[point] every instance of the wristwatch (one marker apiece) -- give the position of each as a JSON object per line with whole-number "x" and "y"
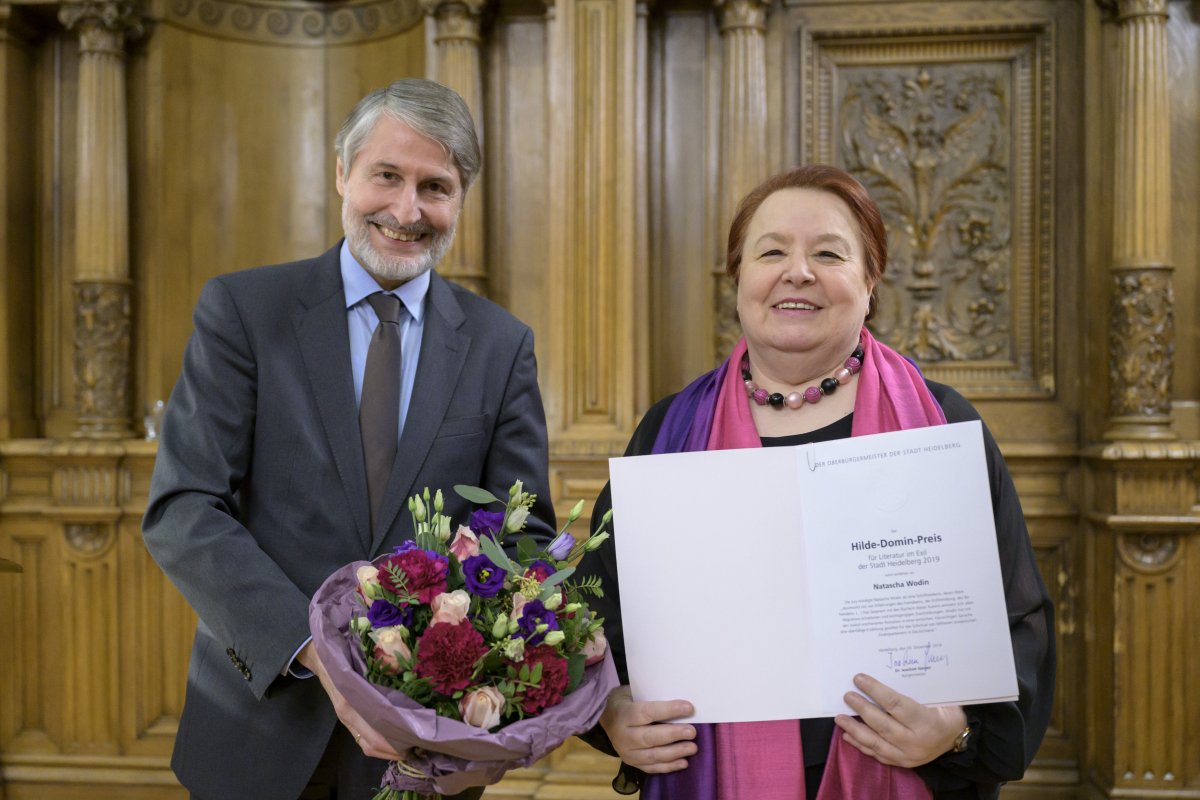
{"x": 962, "y": 741}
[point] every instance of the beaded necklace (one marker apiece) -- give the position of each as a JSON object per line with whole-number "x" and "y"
{"x": 812, "y": 394}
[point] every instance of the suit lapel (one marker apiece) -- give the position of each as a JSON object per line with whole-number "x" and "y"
{"x": 324, "y": 340}
{"x": 443, "y": 352}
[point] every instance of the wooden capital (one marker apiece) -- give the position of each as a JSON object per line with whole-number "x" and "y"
{"x": 456, "y": 20}
{"x": 103, "y": 25}
{"x": 738, "y": 14}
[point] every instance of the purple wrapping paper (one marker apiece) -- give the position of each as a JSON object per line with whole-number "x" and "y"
{"x": 454, "y": 755}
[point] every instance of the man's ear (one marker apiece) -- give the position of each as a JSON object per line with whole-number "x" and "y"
{"x": 341, "y": 179}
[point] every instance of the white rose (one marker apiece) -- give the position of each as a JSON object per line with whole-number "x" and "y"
{"x": 450, "y": 607}
{"x": 482, "y": 707}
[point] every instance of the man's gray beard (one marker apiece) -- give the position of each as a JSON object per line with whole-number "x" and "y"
{"x": 358, "y": 233}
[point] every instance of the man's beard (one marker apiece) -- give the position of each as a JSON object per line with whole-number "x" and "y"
{"x": 395, "y": 268}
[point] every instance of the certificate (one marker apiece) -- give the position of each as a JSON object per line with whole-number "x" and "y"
{"x": 757, "y": 583}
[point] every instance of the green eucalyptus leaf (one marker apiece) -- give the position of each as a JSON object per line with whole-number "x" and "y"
{"x": 474, "y": 494}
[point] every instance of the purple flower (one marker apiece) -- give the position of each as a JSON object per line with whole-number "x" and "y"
{"x": 404, "y": 547}
{"x": 383, "y": 614}
{"x": 560, "y": 548}
{"x": 486, "y": 523}
{"x": 484, "y": 579}
{"x": 532, "y": 615}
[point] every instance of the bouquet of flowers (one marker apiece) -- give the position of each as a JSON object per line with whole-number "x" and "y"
{"x": 469, "y": 660}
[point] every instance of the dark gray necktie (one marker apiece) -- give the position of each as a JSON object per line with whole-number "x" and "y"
{"x": 379, "y": 413}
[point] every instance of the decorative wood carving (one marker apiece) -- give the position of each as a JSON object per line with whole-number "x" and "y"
{"x": 743, "y": 162}
{"x": 87, "y": 539}
{"x": 91, "y": 485}
{"x": 1141, "y": 344}
{"x": 1141, "y": 347}
{"x": 458, "y": 43}
{"x": 951, "y": 131}
{"x": 294, "y": 22}
{"x": 102, "y": 353}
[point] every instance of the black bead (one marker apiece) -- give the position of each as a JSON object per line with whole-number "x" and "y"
{"x": 745, "y": 374}
{"x": 829, "y": 385}
{"x": 776, "y": 400}
{"x": 858, "y": 353}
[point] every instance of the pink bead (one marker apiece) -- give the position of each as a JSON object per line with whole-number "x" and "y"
{"x": 794, "y": 400}
{"x": 750, "y": 387}
{"x": 853, "y": 364}
{"x": 842, "y": 375}
{"x": 760, "y": 396}
{"x": 812, "y": 394}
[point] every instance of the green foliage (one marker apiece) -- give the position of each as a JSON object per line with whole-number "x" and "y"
{"x": 576, "y": 662}
{"x": 473, "y": 494}
{"x": 589, "y": 585}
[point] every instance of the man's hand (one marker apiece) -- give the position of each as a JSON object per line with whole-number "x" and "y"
{"x": 371, "y": 741}
{"x": 895, "y": 729}
{"x": 640, "y": 735}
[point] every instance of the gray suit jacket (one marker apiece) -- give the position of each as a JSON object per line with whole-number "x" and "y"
{"x": 260, "y": 492}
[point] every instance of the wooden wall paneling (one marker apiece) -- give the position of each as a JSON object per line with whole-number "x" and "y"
{"x": 1045, "y": 476}
{"x": 17, "y": 148}
{"x": 57, "y": 86}
{"x": 1183, "y": 75}
{"x": 516, "y": 156}
{"x": 687, "y": 235}
{"x": 594, "y": 380}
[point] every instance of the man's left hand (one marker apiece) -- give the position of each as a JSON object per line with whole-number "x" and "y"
{"x": 894, "y": 729}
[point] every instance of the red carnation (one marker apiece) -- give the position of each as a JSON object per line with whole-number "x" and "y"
{"x": 424, "y": 574}
{"x": 446, "y": 655}
{"x": 553, "y": 685}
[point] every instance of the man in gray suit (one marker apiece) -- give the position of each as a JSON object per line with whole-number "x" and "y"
{"x": 264, "y": 482}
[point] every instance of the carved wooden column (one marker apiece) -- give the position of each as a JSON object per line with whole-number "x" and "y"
{"x": 457, "y": 65}
{"x": 102, "y": 284}
{"x": 1143, "y": 531}
{"x": 1142, "y": 333}
{"x": 743, "y": 138}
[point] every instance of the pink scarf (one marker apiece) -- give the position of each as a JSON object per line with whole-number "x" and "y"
{"x": 891, "y": 395}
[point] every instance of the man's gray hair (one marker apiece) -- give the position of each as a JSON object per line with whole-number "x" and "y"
{"x": 428, "y": 108}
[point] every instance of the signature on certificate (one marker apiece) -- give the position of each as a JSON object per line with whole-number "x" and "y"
{"x": 921, "y": 658}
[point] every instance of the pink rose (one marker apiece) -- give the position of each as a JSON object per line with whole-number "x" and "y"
{"x": 390, "y": 648}
{"x": 482, "y": 707}
{"x": 368, "y": 578}
{"x": 450, "y": 607}
{"x": 595, "y": 647}
{"x": 465, "y": 544}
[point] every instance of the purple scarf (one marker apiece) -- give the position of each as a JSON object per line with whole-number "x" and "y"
{"x": 764, "y": 760}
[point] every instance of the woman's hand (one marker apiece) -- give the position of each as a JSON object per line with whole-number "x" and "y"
{"x": 642, "y": 739}
{"x": 895, "y": 729}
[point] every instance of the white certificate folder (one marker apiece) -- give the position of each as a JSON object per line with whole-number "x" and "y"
{"x": 757, "y": 583}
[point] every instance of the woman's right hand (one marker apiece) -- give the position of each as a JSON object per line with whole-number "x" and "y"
{"x": 642, "y": 737}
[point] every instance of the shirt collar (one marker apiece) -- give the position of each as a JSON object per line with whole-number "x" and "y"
{"x": 357, "y": 283}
